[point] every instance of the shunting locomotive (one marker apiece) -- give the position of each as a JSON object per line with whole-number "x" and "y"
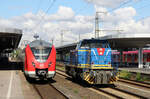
{"x": 40, "y": 60}
{"x": 91, "y": 62}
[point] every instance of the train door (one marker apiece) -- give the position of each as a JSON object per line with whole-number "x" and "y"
{"x": 147, "y": 60}
{"x": 133, "y": 62}
{"x": 126, "y": 59}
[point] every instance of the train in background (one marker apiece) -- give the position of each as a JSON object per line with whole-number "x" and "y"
{"x": 130, "y": 58}
{"x": 40, "y": 60}
{"x": 91, "y": 62}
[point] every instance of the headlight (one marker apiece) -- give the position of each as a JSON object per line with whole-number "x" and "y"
{"x": 33, "y": 64}
{"x": 49, "y": 64}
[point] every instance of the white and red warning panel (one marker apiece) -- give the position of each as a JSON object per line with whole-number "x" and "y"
{"x": 100, "y": 51}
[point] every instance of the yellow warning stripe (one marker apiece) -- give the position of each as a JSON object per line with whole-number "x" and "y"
{"x": 113, "y": 79}
{"x": 88, "y": 66}
{"x": 102, "y": 65}
{"x": 83, "y": 64}
{"x": 87, "y": 77}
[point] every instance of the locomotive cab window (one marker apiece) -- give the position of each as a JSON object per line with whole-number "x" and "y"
{"x": 41, "y": 53}
{"x": 94, "y": 44}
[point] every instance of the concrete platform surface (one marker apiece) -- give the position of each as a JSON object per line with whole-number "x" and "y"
{"x": 13, "y": 85}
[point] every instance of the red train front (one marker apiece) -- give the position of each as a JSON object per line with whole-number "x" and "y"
{"x": 40, "y": 60}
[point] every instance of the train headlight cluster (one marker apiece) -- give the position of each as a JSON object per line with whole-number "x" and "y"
{"x": 49, "y": 64}
{"x": 33, "y": 64}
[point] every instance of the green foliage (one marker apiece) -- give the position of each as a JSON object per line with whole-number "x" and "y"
{"x": 138, "y": 77}
{"x": 125, "y": 74}
{"x": 16, "y": 54}
{"x": 146, "y": 79}
{"x": 85, "y": 97}
{"x": 60, "y": 67}
{"x": 75, "y": 91}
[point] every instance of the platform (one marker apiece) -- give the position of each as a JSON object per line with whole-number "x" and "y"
{"x": 128, "y": 40}
{"x": 14, "y": 86}
{"x": 9, "y": 39}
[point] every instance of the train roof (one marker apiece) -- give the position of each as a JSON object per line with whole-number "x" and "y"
{"x": 37, "y": 43}
{"x": 130, "y": 52}
{"x": 93, "y": 39}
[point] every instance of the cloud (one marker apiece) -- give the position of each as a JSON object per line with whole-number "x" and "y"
{"x": 63, "y": 14}
{"x": 65, "y": 21}
{"x": 100, "y": 9}
{"x": 123, "y": 19}
{"x": 107, "y": 3}
{"x": 50, "y": 26}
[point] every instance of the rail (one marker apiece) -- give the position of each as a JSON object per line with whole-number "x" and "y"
{"x": 47, "y": 91}
{"x": 109, "y": 91}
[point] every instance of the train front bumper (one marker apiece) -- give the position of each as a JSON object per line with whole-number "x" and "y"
{"x": 33, "y": 74}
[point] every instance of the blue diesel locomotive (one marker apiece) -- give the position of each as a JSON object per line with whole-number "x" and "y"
{"x": 91, "y": 62}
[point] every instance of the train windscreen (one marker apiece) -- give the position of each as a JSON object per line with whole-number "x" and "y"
{"x": 94, "y": 45}
{"x": 41, "y": 54}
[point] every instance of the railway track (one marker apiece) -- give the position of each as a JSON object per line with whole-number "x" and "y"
{"x": 137, "y": 83}
{"x": 133, "y": 82}
{"x": 48, "y": 91}
{"x": 110, "y": 92}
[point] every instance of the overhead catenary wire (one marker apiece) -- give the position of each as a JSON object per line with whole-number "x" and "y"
{"x": 42, "y": 17}
{"x": 125, "y": 3}
{"x": 121, "y": 5}
{"x": 97, "y": 21}
{"x": 39, "y": 5}
{"x": 140, "y": 8}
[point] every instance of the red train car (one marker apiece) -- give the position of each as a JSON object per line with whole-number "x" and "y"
{"x": 130, "y": 58}
{"x": 40, "y": 60}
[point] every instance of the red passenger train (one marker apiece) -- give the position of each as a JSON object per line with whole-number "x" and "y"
{"x": 40, "y": 60}
{"x": 130, "y": 58}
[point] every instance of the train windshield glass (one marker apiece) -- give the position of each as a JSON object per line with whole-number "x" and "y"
{"x": 41, "y": 54}
{"x": 94, "y": 45}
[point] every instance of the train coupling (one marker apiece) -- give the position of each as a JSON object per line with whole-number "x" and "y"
{"x": 42, "y": 72}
